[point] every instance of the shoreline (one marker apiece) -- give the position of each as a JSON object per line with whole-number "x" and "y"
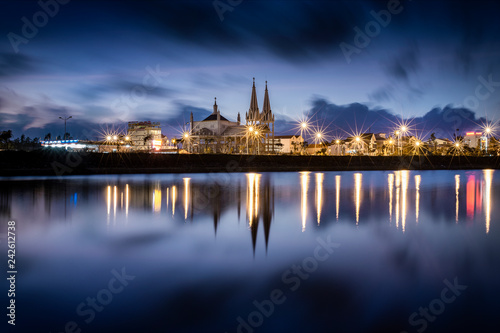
{"x": 62, "y": 163}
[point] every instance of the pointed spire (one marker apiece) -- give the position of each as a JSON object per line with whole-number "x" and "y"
{"x": 215, "y": 106}
{"x": 254, "y": 112}
{"x": 266, "y": 109}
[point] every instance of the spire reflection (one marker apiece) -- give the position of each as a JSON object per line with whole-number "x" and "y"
{"x": 253, "y": 189}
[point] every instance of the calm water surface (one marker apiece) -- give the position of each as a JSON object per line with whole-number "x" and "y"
{"x": 269, "y": 252}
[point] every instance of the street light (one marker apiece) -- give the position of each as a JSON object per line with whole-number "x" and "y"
{"x": 258, "y": 141}
{"x": 250, "y": 130}
{"x": 65, "y": 119}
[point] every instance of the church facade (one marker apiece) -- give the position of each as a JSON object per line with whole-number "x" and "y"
{"x": 217, "y": 134}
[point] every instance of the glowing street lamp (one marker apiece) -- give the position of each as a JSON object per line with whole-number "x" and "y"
{"x": 108, "y": 138}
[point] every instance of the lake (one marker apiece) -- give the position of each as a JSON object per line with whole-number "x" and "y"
{"x": 400, "y": 251}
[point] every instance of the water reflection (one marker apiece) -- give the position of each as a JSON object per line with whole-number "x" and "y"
{"x": 488, "y": 179}
{"x": 157, "y": 199}
{"x": 260, "y": 204}
{"x": 304, "y": 186}
{"x": 174, "y": 199}
{"x": 187, "y": 197}
{"x": 457, "y": 192}
{"x": 390, "y": 181}
{"x": 402, "y": 182}
{"x": 358, "y": 178}
{"x": 445, "y": 198}
{"x": 337, "y": 196}
{"x": 77, "y": 218}
{"x": 319, "y": 195}
{"x": 418, "y": 179}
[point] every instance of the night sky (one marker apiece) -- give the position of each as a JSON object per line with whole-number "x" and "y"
{"x": 106, "y": 63}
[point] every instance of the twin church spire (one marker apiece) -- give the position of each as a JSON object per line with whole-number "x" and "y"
{"x": 254, "y": 115}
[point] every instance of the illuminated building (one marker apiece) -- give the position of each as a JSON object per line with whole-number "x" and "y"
{"x": 476, "y": 140}
{"x": 217, "y": 134}
{"x": 144, "y": 135}
{"x": 287, "y": 144}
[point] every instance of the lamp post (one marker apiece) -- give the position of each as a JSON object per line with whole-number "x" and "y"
{"x": 186, "y": 140}
{"x": 398, "y": 134}
{"x": 258, "y": 141}
{"x": 65, "y": 119}
{"x": 249, "y": 132}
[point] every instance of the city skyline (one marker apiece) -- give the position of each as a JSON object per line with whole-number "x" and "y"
{"x": 353, "y": 62}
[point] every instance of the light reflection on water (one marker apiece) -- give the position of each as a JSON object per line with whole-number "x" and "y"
{"x": 398, "y": 230}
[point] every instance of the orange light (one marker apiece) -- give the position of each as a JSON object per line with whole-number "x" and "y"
{"x": 469, "y": 133}
{"x": 156, "y": 143}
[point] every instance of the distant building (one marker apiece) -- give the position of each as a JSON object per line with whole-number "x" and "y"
{"x": 316, "y": 148}
{"x": 364, "y": 144}
{"x": 217, "y": 134}
{"x": 476, "y": 140}
{"x": 145, "y": 135}
{"x": 288, "y": 144}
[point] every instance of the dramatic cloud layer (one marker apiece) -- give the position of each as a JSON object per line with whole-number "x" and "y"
{"x": 108, "y": 63}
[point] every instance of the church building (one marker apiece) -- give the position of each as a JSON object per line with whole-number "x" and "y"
{"x": 217, "y": 134}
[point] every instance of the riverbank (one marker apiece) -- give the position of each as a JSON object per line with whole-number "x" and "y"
{"x": 62, "y": 163}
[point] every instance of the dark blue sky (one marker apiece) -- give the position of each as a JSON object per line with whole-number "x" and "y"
{"x": 113, "y": 62}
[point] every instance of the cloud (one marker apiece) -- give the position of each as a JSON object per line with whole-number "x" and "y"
{"x": 12, "y": 64}
{"x": 405, "y": 64}
{"x": 344, "y": 120}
